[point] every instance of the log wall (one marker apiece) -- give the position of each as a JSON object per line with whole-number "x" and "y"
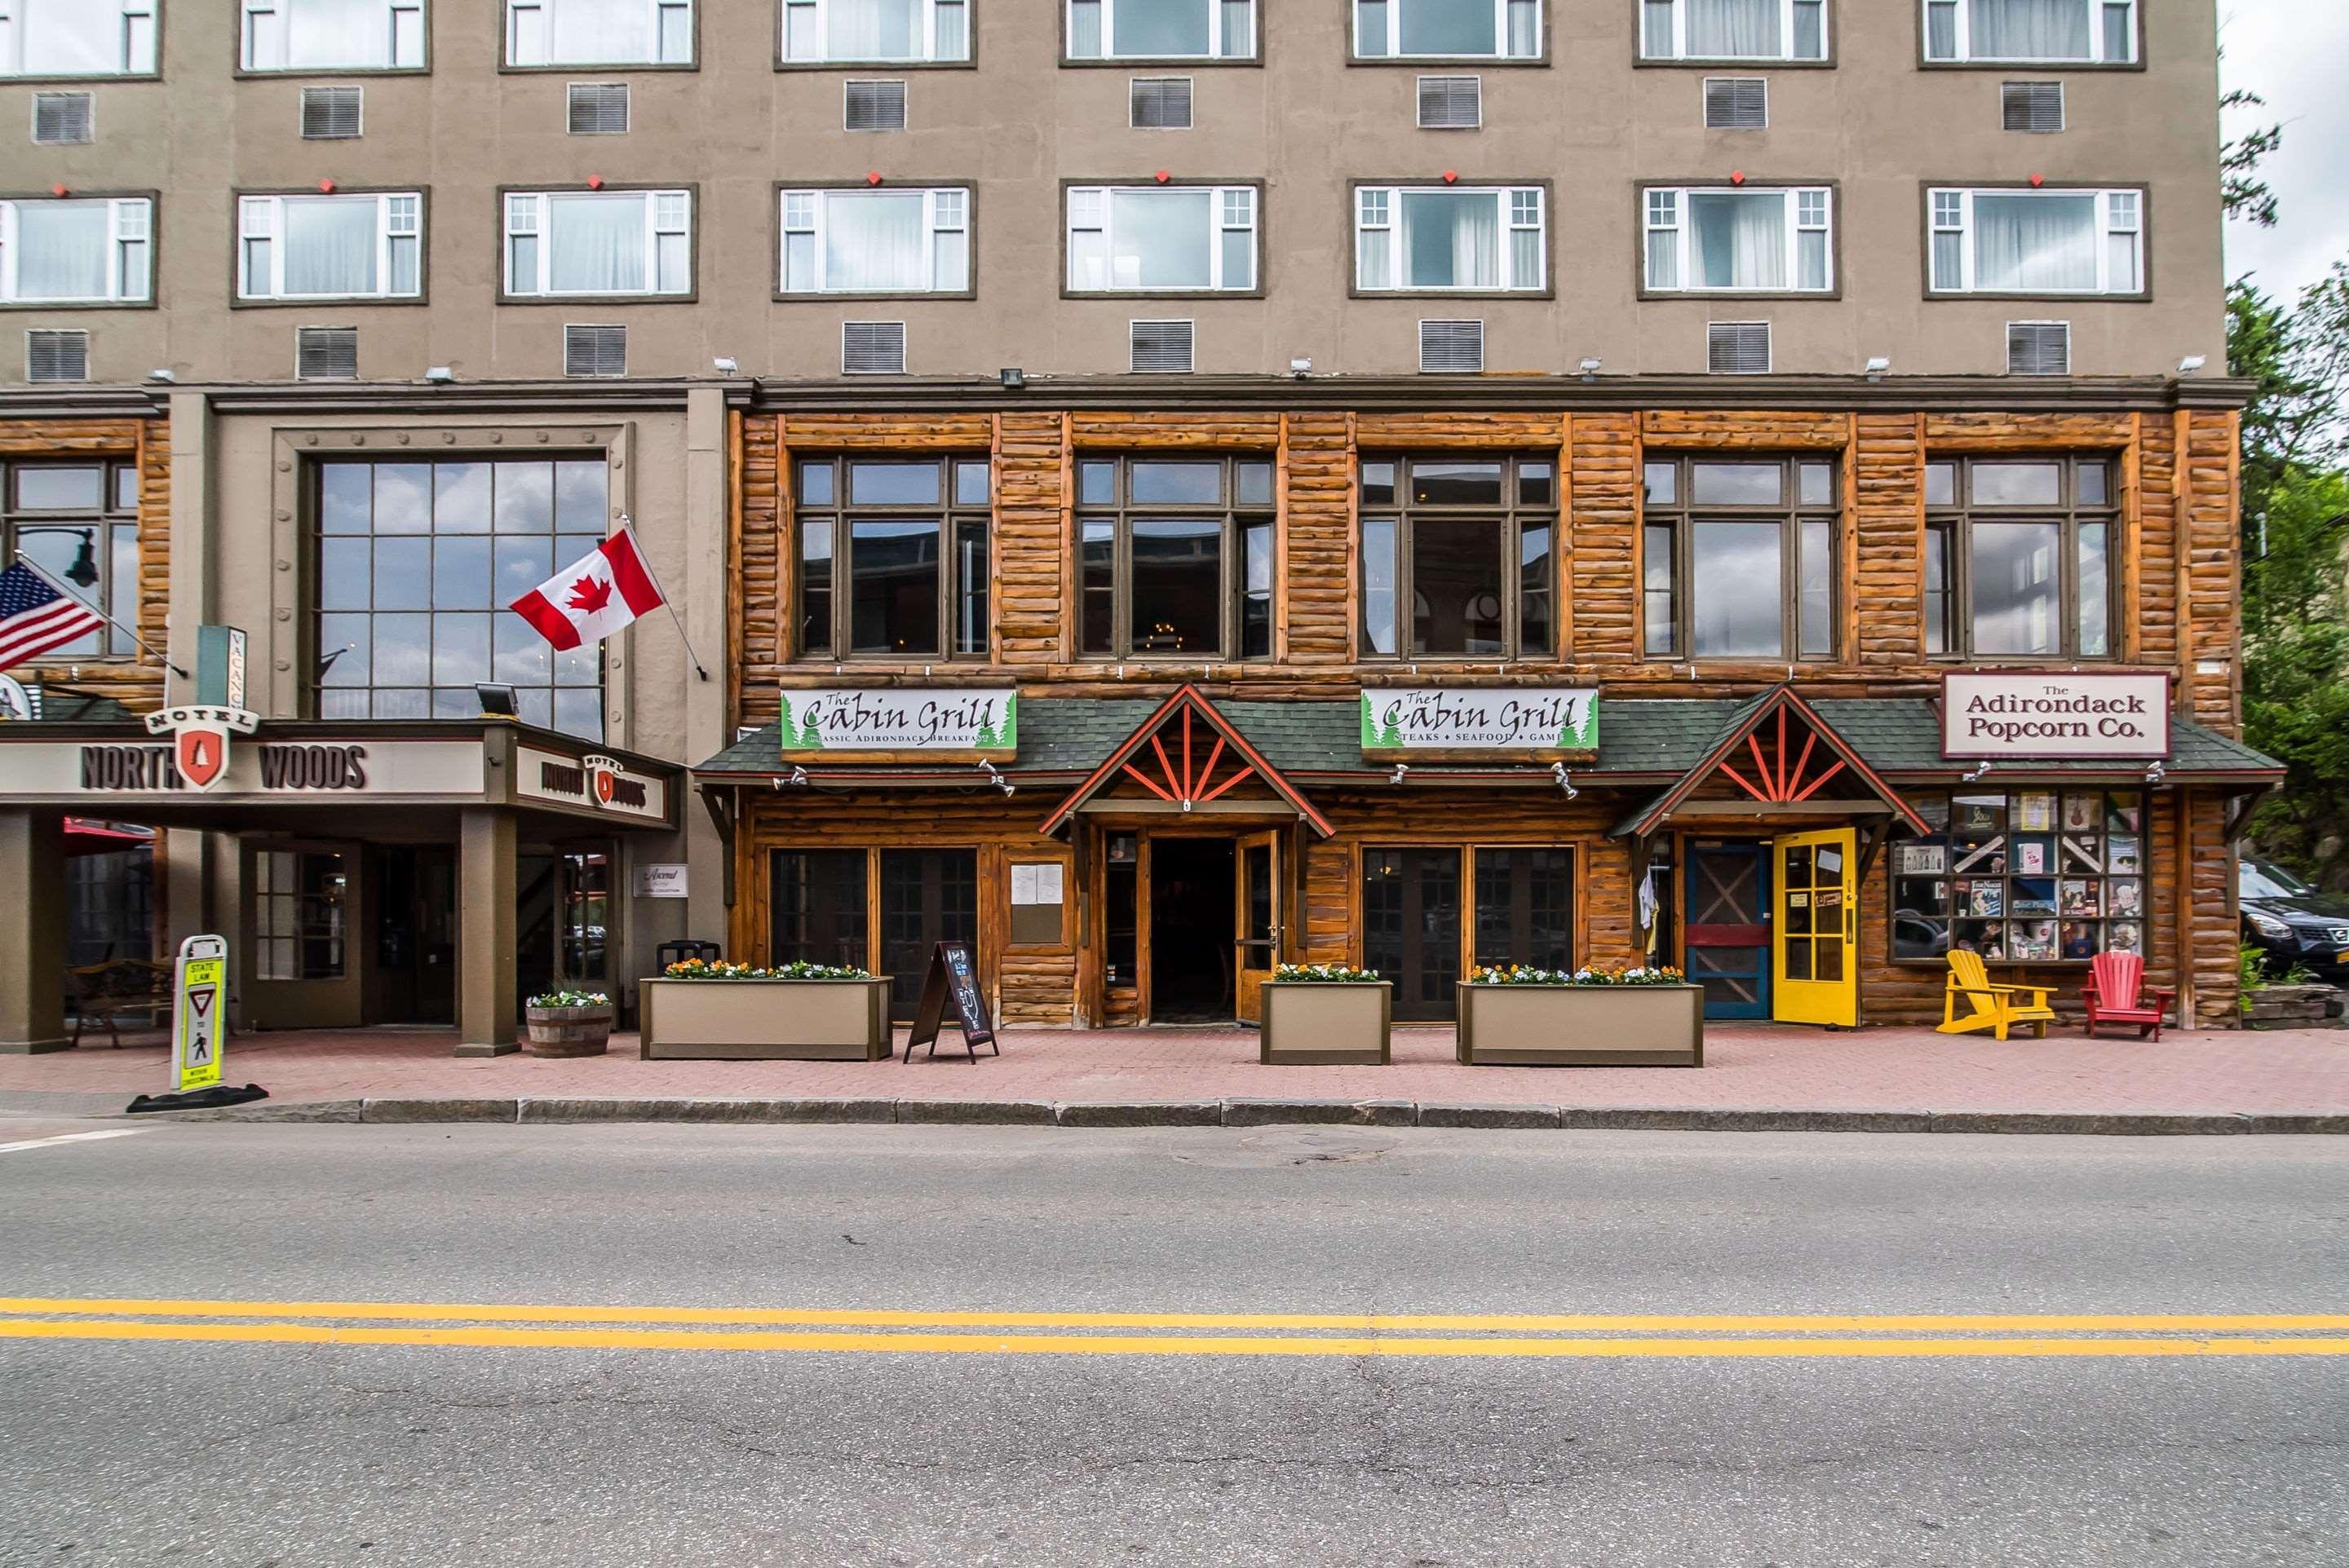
{"x": 137, "y": 682}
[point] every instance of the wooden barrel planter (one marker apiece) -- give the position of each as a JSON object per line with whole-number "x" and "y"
{"x": 568, "y": 1031}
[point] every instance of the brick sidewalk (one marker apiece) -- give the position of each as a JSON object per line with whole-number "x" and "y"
{"x": 2200, "y": 1073}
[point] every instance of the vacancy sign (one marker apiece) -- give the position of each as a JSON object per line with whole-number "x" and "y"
{"x": 199, "y": 1002}
{"x": 2034, "y": 713}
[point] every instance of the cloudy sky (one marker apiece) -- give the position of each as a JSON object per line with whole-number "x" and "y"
{"x": 2292, "y": 53}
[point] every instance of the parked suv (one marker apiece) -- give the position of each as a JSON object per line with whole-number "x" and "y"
{"x": 2294, "y": 923}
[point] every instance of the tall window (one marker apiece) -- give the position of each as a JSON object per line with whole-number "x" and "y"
{"x": 869, "y": 241}
{"x": 333, "y": 35}
{"x": 816, "y": 902}
{"x": 80, "y": 523}
{"x": 1162, "y": 29}
{"x": 1446, "y": 239}
{"x": 2019, "y": 557}
{"x": 1459, "y": 558}
{"x": 1183, "y": 239}
{"x": 893, "y": 557}
{"x": 2038, "y": 242}
{"x": 874, "y": 32}
{"x": 1733, "y": 29}
{"x": 1740, "y": 242}
{"x": 95, "y": 252}
{"x": 599, "y": 32}
{"x": 1176, "y": 557}
{"x": 1740, "y": 559}
{"x": 416, "y": 563}
{"x": 300, "y": 899}
{"x": 1520, "y": 909}
{"x": 599, "y": 243}
{"x": 1447, "y": 29}
{"x": 78, "y": 37}
{"x": 330, "y": 247}
{"x": 2027, "y": 874}
{"x": 2082, "y": 32}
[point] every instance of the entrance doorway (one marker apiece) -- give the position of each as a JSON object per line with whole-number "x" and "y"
{"x": 416, "y": 934}
{"x": 1194, "y": 897}
{"x": 1817, "y": 975}
{"x": 928, "y": 896}
{"x": 1728, "y": 930}
{"x": 1411, "y": 929}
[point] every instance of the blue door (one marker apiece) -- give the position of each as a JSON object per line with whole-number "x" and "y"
{"x": 1727, "y": 931}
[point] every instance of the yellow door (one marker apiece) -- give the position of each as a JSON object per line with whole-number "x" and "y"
{"x": 1256, "y": 922}
{"x": 1816, "y": 946}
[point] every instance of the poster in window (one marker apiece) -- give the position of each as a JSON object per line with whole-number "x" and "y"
{"x": 1986, "y": 900}
{"x": 2127, "y": 898}
{"x": 2031, "y": 939}
{"x": 1975, "y": 814}
{"x": 2124, "y": 936}
{"x": 2123, "y": 815}
{"x": 2031, "y": 856}
{"x": 2079, "y": 898}
{"x": 2121, "y": 856}
{"x": 2033, "y": 895}
{"x": 2079, "y": 939}
{"x": 1923, "y": 860}
{"x": 2034, "y": 812}
{"x": 2080, "y": 855}
{"x": 2083, "y": 813}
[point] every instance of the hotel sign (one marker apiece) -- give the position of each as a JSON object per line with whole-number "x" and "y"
{"x": 597, "y": 782}
{"x": 821, "y": 722}
{"x": 1539, "y": 722}
{"x": 2054, "y": 714}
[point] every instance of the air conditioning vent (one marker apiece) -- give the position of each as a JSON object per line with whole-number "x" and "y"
{"x": 2038, "y": 348}
{"x": 326, "y": 353}
{"x": 1450, "y": 103}
{"x": 594, "y": 351}
{"x": 61, "y": 119}
{"x": 873, "y": 349}
{"x": 599, "y": 109}
{"x": 1738, "y": 348}
{"x": 2033, "y": 106}
{"x": 874, "y": 106}
{"x": 1162, "y": 348}
{"x": 57, "y": 354}
{"x": 1161, "y": 103}
{"x": 331, "y": 114}
{"x": 1736, "y": 103}
{"x": 1450, "y": 345}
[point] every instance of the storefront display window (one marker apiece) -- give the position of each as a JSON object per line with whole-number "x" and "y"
{"x": 1740, "y": 558}
{"x": 298, "y": 905}
{"x": 2029, "y": 874}
{"x": 817, "y": 900}
{"x": 893, "y": 557}
{"x": 1177, "y": 557}
{"x": 416, "y": 564}
{"x": 80, "y": 523}
{"x": 1459, "y": 557}
{"x": 2019, "y": 557}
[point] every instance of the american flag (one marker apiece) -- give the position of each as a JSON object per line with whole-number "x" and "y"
{"x": 34, "y": 616}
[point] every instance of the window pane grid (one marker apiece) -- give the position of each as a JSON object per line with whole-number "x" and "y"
{"x": 80, "y": 523}
{"x": 1741, "y": 558}
{"x": 2026, "y": 570}
{"x": 1175, "y": 557}
{"x": 2031, "y": 874}
{"x": 1740, "y": 240}
{"x": 2037, "y": 242}
{"x": 1161, "y": 239}
{"x": 1450, "y": 240}
{"x": 1459, "y": 557}
{"x": 892, "y": 558}
{"x": 2078, "y": 32}
{"x": 874, "y": 242}
{"x": 1733, "y": 29}
{"x": 1160, "y": 29}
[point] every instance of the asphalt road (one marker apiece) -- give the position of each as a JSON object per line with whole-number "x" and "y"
{"x": 217, "y": 1421}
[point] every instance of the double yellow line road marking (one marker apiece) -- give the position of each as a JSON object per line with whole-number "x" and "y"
{"x": 907, "y": 1332}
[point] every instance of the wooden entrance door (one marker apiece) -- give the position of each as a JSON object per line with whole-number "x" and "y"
{"x": 1255, "y": 921}
{"x": 1816, "y": 973}
{"x": 1411, "y": 929}
{"x": 1728, "y": 929}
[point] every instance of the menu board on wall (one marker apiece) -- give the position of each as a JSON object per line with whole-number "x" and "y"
{"x": 1522, "y": 721}
{"x": 864, "y": 722}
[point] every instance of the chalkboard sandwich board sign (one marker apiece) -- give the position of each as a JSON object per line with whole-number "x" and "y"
{"x": 952, "y": 979}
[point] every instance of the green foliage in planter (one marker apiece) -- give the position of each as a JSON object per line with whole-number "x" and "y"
{"x": 570, "y": 999}
{"x": 1518, "y": 975}
{"x": 695, "y": 969}
{"x": 1325, "y": 974}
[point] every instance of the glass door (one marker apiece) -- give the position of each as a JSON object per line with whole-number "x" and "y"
{"x": 928, "y": 896}
{"x": 1411, "y": 929}
{"x": 1256, "y": 913}
{"x": 1816, "y": 971}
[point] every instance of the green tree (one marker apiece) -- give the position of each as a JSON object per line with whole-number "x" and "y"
{"x": 788, "y": 730}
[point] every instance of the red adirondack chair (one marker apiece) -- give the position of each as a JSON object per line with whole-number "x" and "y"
{"x": 2116, "y": 992}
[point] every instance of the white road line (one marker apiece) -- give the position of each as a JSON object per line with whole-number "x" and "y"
{"x": 71, "y": 1138}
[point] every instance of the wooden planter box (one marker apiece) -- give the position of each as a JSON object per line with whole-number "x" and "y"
{"x": 1326, "y": 1023}
{"x": 568, "y": 1031}
{"x": 1582, "y": 1025}
{"x": 766, "y": 1020}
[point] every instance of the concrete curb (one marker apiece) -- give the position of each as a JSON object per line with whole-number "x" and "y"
{"x": 1247, "y": 1111}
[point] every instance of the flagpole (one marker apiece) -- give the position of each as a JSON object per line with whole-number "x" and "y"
{"x": 36, "y": 569}
{"x": 629, "y": 527}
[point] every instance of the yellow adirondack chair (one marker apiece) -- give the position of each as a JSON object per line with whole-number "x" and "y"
{"x": 1991, "y": 1006}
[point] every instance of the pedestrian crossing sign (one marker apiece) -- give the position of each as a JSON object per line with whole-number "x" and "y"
{"x": 198, "y": 1000}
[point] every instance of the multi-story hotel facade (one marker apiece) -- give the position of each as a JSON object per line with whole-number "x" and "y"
{"x": 1154, "y": 488}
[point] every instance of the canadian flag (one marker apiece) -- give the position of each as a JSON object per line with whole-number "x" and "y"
{"x": 594, "y": 596}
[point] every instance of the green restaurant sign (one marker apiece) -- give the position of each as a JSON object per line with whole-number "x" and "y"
{"x": 1539, "y": 722}
{"x": 865, "y": 722}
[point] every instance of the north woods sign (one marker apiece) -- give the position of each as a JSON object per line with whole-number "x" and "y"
{"x": 933, "y": 720}
{"x": 295, "y": 768}
{"x": 1533, "y": 720}
{"x": 2031, "y": 713}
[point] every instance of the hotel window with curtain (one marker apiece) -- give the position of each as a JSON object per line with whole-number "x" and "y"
{"x": 1160, "y": 29}
{"x": 1447, "y": 29}
{"x": 68, "y": 252}
{"x": 78, "y": 37}
{"x": 1459, "y": 557}
{"x": 416, "y": 563}
{"x": 1161, "y": 239}
{"x": 598, "y": 243}
{"x": 80, "y": 523}
{"x": 861, "y": 241}
{"x": 1175, "y": 557}
{"x": 599, "y": 32}
{"x": 1738, "y": 558}
{"x": 2043, "y": 242}
{"x": 2019, "y": 557}
{"x": 333, "y": 35}
{"x": 1730, "y": 240}
{"x": 1450, "y": 240}
{"x": 893, "y": 557}
{"x": 2036, "y": 32}
{"x": 1792, "y": 30}
{"x": 875, "y": 32}
{"x": 330, "y": 247}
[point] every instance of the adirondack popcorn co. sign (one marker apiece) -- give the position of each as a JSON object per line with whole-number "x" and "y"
{"x": 1544, "y": 720}
{"x": 830, "y": 721}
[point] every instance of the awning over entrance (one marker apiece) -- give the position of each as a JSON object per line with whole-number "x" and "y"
{"x": 1186, "y": 740}
{"x": 1778, "y": 758}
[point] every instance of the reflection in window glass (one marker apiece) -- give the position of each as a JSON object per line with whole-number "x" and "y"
{"x": 1735, "y": 571}
{"x": 2025, "y": 571}
{"x": 908, "y": 595}
{"x": 1456, "y": 586}
{"x": 1176, "y": 570}
{"x": 1471, "y": 560}
{"x": 1176, "y": 577}
{"x": 78, "y": 523}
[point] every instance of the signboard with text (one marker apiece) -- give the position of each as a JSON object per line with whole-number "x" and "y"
{"x": 1539, "y": 722}
{"x": 198, "y": 1003}
{"x": 598, "y": 783}
{"x": 1988, "y": 714}
{"x": 820, "y": 722}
